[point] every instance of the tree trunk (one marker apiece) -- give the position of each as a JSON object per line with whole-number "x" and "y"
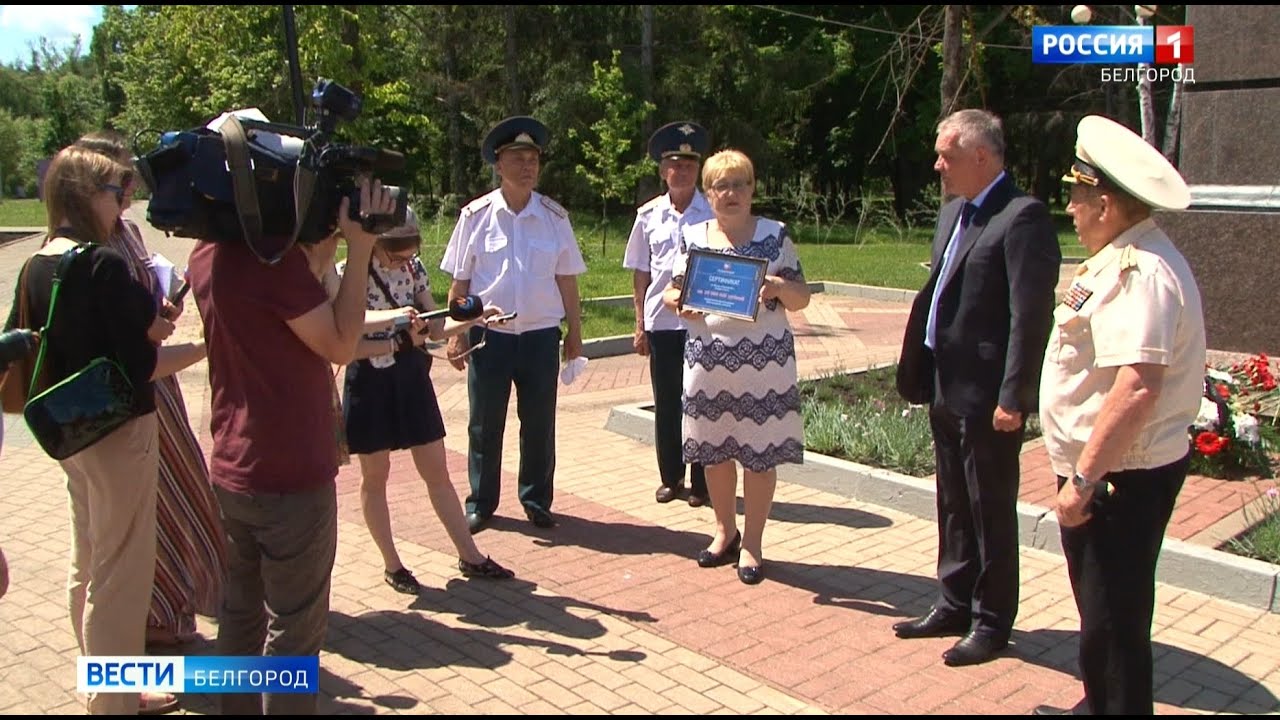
{"x": 514, "y": 102}
{"x": 1173, "y": 123}
{"x": 952, "y": 57}
{"x": 646, "y": 66}
{"x": 1146, "y": 108}
{"x": 457, "y": 157}
{"x": 351, "y": 38}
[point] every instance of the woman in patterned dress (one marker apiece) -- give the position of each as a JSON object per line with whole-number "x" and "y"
{"x": 741, "y": 403}
{"x": 389, "y": 403}
{"x": 190, "y": 555}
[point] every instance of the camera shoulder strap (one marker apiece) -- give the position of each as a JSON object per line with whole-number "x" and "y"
{"x": 239, "y": 163}
{"x": 382, "y": 285}
{"x": 304, "y": 182}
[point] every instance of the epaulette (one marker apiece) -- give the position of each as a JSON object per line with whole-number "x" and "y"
{"x": 554, "y": 207}
{"x": 1128, "y": 259}
{"x": 477, "y": 205}
{"x": 651, "y": 205}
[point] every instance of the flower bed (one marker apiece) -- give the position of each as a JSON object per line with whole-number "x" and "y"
{"x": 1262, "y": 540}
{"x": 1235, "y": 435}
{"x": 861, "y": 418}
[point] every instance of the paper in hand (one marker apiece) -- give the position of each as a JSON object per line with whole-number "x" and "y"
{"x": 166, "y": 274}
{"x": 572, "y": 369}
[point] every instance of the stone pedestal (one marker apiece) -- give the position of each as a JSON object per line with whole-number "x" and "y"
{"x": 1230, "y": 155}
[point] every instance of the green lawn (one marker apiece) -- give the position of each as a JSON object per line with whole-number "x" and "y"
{"x": 22, "y": 213}
{"x": 879, "y": 260}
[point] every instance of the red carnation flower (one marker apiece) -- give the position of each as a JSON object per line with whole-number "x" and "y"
{"x": 1209, "y": 443}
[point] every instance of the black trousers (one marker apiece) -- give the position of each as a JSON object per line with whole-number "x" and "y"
{"x": 666, "y": 373}
{"x": 977, "y": 520}
{"x": 1112, "y": 563}
{"x": 531, "y": 361}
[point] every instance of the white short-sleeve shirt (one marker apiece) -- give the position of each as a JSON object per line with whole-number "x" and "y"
{"x": 1134, "y": 302}
{"x": 405, "y": 283}
{"x": 512, "y": 259}
{"x": 652, "y": 248}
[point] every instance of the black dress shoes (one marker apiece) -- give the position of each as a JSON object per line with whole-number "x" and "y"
{"x": 973, "y": 649}
{"x": 935, "y": 623}
{"x": 708, "y": 559}
{"x": 751, "y": 575}
{"x": 540, "y": 518}
{"x": 666, "y": 494}
{"x": 477, "y": 522}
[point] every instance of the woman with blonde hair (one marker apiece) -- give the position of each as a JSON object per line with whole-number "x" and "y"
{"x": 101, "y": 311}
{"x": 190, "y": 554}
{"x": 741, "y": 401}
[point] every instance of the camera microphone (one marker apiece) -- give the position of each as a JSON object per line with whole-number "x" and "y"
{"x": 461, "y": 309}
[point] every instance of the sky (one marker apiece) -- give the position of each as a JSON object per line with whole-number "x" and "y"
{"x": 21, "y": 25}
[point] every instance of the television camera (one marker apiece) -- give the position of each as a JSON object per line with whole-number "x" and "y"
{"x": 267, "y": 184}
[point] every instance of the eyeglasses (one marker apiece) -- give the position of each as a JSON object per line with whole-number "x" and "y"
{"x": 723, "y": 187}
{"x": 117, "y": 190}
{"x": 401, "y": 258}
{"x": 484, "y": 336}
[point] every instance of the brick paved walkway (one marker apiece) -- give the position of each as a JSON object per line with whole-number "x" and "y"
{"x": 610, "y": 613}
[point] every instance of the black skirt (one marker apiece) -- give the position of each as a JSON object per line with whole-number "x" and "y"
{"x": 391, "y": 408}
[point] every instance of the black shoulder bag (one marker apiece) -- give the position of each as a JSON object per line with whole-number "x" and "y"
{"x": 86, "y": 406}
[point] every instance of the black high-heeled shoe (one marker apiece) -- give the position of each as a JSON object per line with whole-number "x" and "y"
{"x": 751, "y": 575}
{"x": 708, "y": 559}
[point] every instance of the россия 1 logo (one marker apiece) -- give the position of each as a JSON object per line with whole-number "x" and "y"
{"x": 1118, "y": 45}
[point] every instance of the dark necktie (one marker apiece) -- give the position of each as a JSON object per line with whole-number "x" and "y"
{"x": 957, "y": 236}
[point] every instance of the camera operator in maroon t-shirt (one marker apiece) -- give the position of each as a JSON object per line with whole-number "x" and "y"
{"x": 272, "y": 334}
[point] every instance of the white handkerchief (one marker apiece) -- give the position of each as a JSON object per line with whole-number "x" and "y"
{"x": 572, "y": 369}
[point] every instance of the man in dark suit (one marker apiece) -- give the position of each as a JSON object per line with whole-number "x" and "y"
{"x": 972, "y": 350}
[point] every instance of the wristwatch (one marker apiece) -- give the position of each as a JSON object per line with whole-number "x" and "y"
{"x": 1081, "y": 482}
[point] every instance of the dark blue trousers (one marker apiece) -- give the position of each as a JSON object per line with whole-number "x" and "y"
{"x": 530, "y": 361}
{"x": 666, "y": 373}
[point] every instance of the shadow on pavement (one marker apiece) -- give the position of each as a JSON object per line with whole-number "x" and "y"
{"x": 406, "y": 640}
{"x": 878, "y": 592}
{"x": 612, "y": 538}
{"x": 1183, "y": 678}
{"x": 806, "y": 513}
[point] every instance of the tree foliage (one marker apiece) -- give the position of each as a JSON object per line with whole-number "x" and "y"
{"x": 829, "y": 101}
{"x": 611, "y": 162}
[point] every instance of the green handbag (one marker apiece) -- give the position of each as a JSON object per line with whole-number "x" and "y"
{"x": 86, "y": 406}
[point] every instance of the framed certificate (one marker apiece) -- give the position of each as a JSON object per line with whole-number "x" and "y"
{"x": 723, "y": 284}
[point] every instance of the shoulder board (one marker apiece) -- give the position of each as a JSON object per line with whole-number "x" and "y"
{"x": 477, "y": 205}
{"x": 1128, "y": 259}
{"x": 554, "y": 207}
{"x": 649, "y": 206}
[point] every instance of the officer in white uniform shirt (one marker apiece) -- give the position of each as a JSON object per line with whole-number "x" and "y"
{"x": 515, "y": 248}
{"x": 1121, "y": 383}
{"x": 660, "y": 334}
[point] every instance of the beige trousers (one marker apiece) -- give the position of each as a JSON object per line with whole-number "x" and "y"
{"x": 112, "y": 488}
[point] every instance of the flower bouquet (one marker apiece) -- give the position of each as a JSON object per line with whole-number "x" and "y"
{"x": 1235, "y": 433}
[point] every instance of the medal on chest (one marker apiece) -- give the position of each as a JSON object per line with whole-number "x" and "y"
{"x": 1076, "y": 296}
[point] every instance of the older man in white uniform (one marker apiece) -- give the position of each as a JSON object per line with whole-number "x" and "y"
{"x": 1121, "y": 383}
{"x": 515, "y": 248}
